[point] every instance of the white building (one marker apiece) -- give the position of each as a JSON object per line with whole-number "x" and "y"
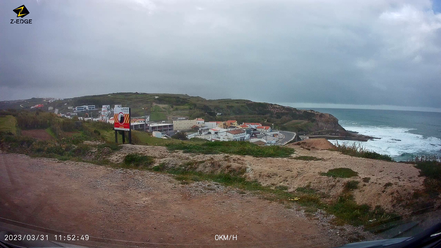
{"x": 236, "y": 135}
{"x": 264, "y": 129}
{"x": 187, "y": 124}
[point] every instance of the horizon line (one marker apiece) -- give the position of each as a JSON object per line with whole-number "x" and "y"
{"x": 359, "y": 107}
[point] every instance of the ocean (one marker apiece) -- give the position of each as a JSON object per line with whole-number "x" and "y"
{"x": 401, "y": 134}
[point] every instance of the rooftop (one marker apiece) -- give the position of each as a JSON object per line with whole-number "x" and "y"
{"x": 236, "y": 131}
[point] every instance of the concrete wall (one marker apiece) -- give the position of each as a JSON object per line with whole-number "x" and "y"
{"x": 183, "y": 124}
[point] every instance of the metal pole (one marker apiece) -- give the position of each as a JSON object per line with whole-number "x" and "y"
{"x": 130, "y": 126}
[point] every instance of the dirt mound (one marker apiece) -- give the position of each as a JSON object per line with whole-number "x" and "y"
{"x": 40, "y": 134}
{"x": 319, "y": 144}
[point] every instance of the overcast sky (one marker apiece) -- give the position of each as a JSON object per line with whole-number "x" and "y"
{"x": 373, "y": 52}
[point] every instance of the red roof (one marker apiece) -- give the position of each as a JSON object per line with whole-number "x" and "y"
{"x": 199, "y": 119}
{"x": 253, "y": 124}
{"x": 236, "y": 131}
{"x": 263, "y": 127}
{"x": 243, "y": 126}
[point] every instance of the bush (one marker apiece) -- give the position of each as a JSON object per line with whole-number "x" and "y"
{"x": 340, "y": 172}
{"x": 112, "y": 146}
{"x": 307, "y": 158}
{"x": 351, "y": 185}
{"x": 358, "y": 151}
{"x": 180, "y": 136}
{"x": 138, "y": 160}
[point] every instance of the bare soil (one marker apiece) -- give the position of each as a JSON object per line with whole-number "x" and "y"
{"x": 39, "y": 134}
{"x": 381, "y": 183}
{"x": 123, "y": 208}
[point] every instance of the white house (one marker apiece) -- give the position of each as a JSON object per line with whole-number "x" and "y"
{"x": 236, "y": 135}
{"x": 263, "y": 129}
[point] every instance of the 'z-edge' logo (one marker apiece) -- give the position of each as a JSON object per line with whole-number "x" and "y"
{"x": 21, "y": 11}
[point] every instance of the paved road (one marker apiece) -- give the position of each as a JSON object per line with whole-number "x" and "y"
{"x": 288, "y": 137}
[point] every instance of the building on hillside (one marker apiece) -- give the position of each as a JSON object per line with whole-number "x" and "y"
{"x": 210, "y": 124}
{"x": 264, "y": 129}
{"x": 157, "y": 134}
{"x": 138, "y": 124}
{"x": 231, "y": 123}
{"x": 84, "y": 108}
{"x": 182, "y": 125}
{"x": 252, "y": 125}
{"x": 199, "y": 121}
{"x": 243, "y": 126}
{"x": 236, "y": 135}
{"x": 166, "y": 128}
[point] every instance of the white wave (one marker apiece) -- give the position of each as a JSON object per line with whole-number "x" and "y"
{"x": 394, "y": 141}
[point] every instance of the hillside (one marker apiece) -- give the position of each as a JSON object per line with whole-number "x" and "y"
{"x": 167, "y": 106}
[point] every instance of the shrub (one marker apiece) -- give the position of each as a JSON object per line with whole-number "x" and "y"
{"x": 138, "y": 160}
{"x": 307, "y": 158}
{"x": 112, "y": 146}
{"x": 387, "y": 185}
{"x": 351, "y": 185}
{"x": 358, "y": 151}
{"x": 180, "y": 136}
{"x": 340, "y": 172}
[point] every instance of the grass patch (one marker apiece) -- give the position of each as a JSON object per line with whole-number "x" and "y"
{"x": 358, "y": 151}
{"x": 112, "y": 146}
{"x": 51, "y": 133}
{"x": 8, "y": 124}
{"x": 348, "y": 211}
{"x": 282, "y": 187}
{"x": 340, "y": 173}
{"x": 138, "y": 160}
{"x": 351, "y": 185}
{"x": 233, "y": 147}
{"x": 307, "y": 158}
{"x": 432, "y": 183}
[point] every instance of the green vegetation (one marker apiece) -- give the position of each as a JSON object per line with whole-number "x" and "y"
{"x": 233, "y": 147}
{"x": 432, "y": 171}
{"x": 348, "y": 211}
{"x": 340, "y": 172}
{"x": 358, "y": 151}
{"x": 307, "y": 158}
{"x": 351, "y": 185}
{"x": 51, "y": 133}
{"x": 180, "y": 136}
{"x": 8, "y": 124}
{"x": 138, "y": 160}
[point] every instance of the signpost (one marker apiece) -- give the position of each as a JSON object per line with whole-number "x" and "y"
{"x": 121, "y": 117}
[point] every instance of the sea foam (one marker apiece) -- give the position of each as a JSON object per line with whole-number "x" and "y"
{"x": 399, "y": 143}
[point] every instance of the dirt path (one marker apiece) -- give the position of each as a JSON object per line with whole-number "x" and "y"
{"x": 141, "y": 208}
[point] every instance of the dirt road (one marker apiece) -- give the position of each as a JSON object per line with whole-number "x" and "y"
{"x": 123, "y": 208}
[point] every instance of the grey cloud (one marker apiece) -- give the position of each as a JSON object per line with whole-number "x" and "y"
{"x": 341, "y": 52}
